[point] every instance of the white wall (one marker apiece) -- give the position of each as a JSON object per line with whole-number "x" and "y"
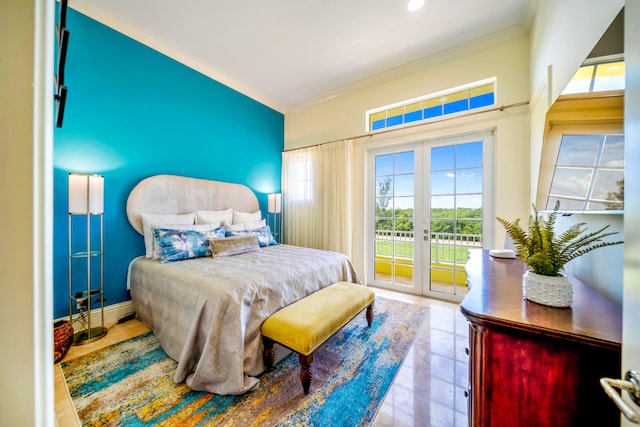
{"x": 602, "y": 268}
{"x": 16, "y": 112}
{"x": 26, "y": 333}
{"x": 344, "y": 116}
{"x": 631, "y": 304}
{"x": 563, "y": 34}
{"x": 16, "y": 304}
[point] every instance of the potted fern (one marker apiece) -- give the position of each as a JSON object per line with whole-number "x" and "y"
{"x": 547, "y": 254}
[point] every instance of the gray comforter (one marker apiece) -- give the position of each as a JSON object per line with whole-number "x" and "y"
{"x": 207, "y": 312}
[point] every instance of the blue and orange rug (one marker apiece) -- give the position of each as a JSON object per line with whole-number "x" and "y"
{"x": 130, "y": 383}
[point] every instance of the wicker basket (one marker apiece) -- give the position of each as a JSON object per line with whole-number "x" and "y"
{"x": 62, "y": 339}
{"x": 554, "y": 291}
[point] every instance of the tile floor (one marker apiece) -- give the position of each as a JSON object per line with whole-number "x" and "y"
{"x": 428, "y": 390}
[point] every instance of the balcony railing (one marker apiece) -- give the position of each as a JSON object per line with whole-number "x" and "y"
{"x": 445, "y": 247}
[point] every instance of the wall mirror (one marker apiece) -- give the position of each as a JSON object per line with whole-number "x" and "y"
{"x": 582, "y": 165}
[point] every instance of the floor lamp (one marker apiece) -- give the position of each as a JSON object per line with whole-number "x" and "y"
{"x": 86, "y": 200}
{"x": 274, "y": 208}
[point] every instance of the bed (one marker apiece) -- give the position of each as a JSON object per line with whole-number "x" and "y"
{"x": 205, "y": 311}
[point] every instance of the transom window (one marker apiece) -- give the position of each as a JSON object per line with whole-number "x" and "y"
{"x": 428, "y": 107}
{"x": 598, "y": 75}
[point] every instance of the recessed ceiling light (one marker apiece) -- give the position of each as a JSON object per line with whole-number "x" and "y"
{"x": 414, "y": 5}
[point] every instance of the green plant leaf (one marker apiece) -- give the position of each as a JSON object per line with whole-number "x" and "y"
{"x": 546, "y": 253}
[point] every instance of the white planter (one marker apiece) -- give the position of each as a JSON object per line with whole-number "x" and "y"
{"x": 554, "y": 291}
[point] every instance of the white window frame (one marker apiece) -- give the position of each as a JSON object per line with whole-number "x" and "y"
{"x": 302, "y": 191}
{"x": 551, "y": 150}
{"x": 472, "y": 85}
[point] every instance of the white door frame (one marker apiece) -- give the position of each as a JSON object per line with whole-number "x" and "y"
{"x": 416, "y": 146}
{"x": 422, "y": 257}
{"x": 631, "y": 275}
{"x": 487, "y": 138}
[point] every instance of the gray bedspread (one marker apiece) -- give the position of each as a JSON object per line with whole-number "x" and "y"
{"x": 207, "y": 312}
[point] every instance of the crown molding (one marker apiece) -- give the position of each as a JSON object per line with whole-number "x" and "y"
{"x": 412, "y": 67}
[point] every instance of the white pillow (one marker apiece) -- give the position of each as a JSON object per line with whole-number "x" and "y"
{"x": 207, "y": 217}
{"x": 157, "y": 250}
{"x": 154, "y": 220}
{"x": 242, "y": 217}
{"x": 244, "y": 226}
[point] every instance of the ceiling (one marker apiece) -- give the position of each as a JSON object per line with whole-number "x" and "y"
{"x": 288, "y": 53}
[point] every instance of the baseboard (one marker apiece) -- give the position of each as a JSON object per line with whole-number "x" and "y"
{"x": 112, "y": 313}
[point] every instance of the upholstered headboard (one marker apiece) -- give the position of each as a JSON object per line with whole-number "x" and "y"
{"x": 171, "y": 194}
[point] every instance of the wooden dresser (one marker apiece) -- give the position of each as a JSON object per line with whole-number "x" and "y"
{"x": 533, "y": 365}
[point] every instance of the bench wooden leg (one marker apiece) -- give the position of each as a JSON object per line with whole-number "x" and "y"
{"x": 370, "y": 314}
{"x": 268, "y": 354}
{"x": 305, "y": 371}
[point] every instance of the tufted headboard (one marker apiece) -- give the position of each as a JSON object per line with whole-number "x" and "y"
{"x": 171, "y": 194}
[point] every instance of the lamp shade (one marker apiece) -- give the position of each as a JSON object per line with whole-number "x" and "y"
{"x": 274, "y": 203}
{"x": 86, "y": 193}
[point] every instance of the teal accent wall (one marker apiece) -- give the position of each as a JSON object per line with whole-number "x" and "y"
{"x": 133, "y": 112}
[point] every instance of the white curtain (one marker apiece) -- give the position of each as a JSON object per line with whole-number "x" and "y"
{"x": 317, "y": 184}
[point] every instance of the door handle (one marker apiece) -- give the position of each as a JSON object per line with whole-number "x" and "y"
{"x": 631, "y": 384}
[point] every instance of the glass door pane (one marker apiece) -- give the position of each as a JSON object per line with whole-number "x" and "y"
{"x": 455, "y": 215}
{"x": 394, "y": 218}
{"x": 426, "y": 212}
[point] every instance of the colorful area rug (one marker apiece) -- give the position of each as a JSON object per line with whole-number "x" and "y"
{"x": 130, "y": 383}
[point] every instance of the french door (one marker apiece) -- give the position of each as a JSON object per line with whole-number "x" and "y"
{"x": 431, "y": 203}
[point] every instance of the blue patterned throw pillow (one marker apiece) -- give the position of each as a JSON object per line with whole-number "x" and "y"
{"x": 206, "y": 229}
{"x": 177, "y": 245}
{"x": 263, "y": 234}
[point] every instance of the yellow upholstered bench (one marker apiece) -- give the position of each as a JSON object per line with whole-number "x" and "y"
{"x": 306, "y": 324}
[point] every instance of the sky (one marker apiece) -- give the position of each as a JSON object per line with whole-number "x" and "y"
{"x": 588, "y": 166}
{"x": 455, "y": 176}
